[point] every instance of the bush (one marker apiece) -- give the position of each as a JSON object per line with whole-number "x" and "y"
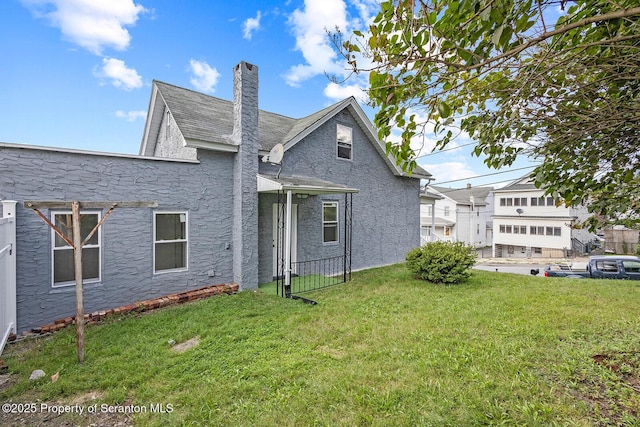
{"x": 442, "y": 262}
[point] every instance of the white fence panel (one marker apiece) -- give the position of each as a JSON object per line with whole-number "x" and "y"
{"x": 7, "y": 271}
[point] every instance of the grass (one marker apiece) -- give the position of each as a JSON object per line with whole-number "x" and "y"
{"x": 384, "y": 349}
{"x": 302, "y": 284}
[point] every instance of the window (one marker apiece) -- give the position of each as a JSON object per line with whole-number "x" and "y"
{"x": 534, "y": 201}
{"x": 329, "y": 222}
{"x": 503, "y": 201}
{"x": 631, "y": 266}
{"x": 516, "y": 229}
{"x": 508, "y": 231}
{"x": 537, "y": 251}
{"x": 523, "y": 201}
{"x": 503, "y": 229}
{"x": 63, "y": 260}
{"x": 607, "y": 266}
{"x": 550, "y": 201}
{"x": 533, "y": 229}
{"x": 523, "y": 229}
{"x": 541, "y": 231}
{"x": 345, "y": 142}
{"x": 446, "y": 211}
{"x": 554, "y": 231}
{"x": 477, "y": 228}
{"x": 170, "y": 244}
{"x": 541, "y": 201}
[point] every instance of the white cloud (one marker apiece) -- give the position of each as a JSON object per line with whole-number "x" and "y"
{"x": 251, "y": 25}
{"x": 309, "y": 28}
{"x": 117, "y": 72}
{"x": 93, "y": 25}
{"x": 204, "y": 77}
{"x": 131, "y": 116}
{"x": 339, "y": 92}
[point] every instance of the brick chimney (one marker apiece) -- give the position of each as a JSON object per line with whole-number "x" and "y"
{"x": 245, "y": 191}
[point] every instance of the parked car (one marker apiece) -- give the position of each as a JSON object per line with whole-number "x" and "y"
{"x": 600, "y": 267}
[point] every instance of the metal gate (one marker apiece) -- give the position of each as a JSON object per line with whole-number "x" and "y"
{"x": 312, "y": 275}
{"x": 7, "y": 272}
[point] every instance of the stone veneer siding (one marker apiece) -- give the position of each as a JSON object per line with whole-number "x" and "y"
{"x": 127, "y": 235}
{"x": 386, "y": 210}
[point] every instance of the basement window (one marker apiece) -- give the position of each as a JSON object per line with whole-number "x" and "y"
{"x": 170, "y": 246}
{"x": 63, "y": 265}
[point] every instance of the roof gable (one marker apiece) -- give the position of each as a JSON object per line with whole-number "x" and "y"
{"x": 207, "y": 122}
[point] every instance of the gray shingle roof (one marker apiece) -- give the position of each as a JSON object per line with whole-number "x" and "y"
{"x": 205, "y": 118}
{"x": 462, "y": 195}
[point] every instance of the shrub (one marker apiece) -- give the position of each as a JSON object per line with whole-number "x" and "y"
{"x": 442, "y": 262}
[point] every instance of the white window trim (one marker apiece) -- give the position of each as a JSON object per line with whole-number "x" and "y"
{"x": 337, "y": 221}
{"x": 185, "y": 240}
{"x": 66, "y": 248}
{"x": 350, "y": 143}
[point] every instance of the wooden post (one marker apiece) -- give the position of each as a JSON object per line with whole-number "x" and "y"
{"x": 77, "y": 258}
{"x": 76, "y": 243}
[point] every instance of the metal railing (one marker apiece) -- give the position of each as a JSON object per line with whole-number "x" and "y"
{"x": 318, "y": 274}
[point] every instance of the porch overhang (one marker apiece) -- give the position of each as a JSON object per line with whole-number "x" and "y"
{"x": 300, "y": 185}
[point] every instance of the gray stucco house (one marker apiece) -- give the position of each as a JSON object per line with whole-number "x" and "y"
{"x": 221, "y": 201}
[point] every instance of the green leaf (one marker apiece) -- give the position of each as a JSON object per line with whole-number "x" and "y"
{"x": 444, "y": 109}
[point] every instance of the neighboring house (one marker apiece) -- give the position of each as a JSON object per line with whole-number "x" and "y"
{"x": 428, "y": 222}
{"x": 527, "y": 223}
{"x": 458, "y": 214}
{"x": 220, "y": 209}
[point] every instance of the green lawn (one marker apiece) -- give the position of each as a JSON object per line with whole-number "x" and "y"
{"x": 384, "y": 349}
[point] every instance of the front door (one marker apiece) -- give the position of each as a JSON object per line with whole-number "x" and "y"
{"x": 279, "y": 236}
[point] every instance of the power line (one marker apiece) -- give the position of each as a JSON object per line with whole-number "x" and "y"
{"x": 488, "y": 174}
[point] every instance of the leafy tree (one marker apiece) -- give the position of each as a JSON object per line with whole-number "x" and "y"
{"x": 566, "y": 94}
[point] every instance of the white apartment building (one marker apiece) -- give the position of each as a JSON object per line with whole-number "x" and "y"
{"x": 528, "y": 224}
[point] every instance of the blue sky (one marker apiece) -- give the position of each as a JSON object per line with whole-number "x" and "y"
{"x": 78, "y": 73}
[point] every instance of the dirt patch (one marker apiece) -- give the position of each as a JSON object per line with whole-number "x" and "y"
{"x": 184, "y": 346}
{"x": 613, "y": 398}
{"x": 7, "y": 381}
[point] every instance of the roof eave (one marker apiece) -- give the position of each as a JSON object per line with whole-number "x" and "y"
{"x": 211, "y": 145}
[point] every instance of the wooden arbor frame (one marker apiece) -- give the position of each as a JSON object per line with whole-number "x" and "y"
{"x": 76, "y": 242}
